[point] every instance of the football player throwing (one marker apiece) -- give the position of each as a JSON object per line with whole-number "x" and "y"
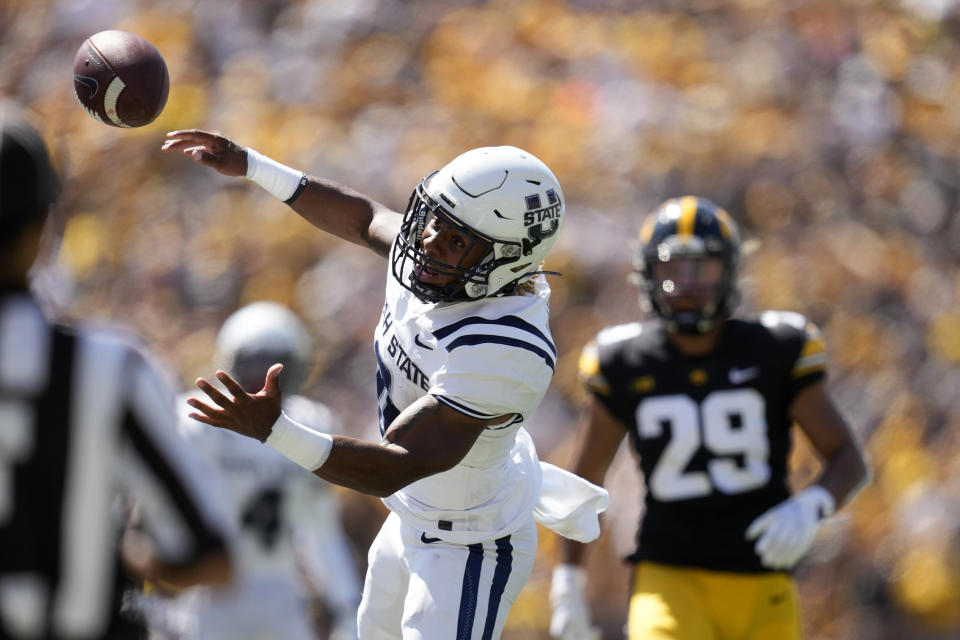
{"x": 464, "y": 356}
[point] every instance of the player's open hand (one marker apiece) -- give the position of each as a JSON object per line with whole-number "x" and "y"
{"x": 249, "y": 414}
{"x": 209, "y": 149}
{"x": 785, "y": 532}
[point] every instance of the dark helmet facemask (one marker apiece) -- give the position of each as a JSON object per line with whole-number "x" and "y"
{"x": 409, "y": 258}
{"x": 689, "y": 290}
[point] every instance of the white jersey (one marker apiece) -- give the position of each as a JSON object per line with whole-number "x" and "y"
{"x": 289, "y": 526}
{"x": 492, "y": 359}
{"x": 269, "y": 496}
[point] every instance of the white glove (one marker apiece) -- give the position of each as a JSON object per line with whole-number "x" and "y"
{"x": 785, "y": 532}
{"x": 571, "y": 616}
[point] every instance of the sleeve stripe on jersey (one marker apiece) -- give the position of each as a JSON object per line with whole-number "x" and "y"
{"x": 467, "y": 341}
{"x": 473, "y": 413}
{"x": 506, "y": 321}
{"x": 810, "y": 364}
{"x": 168, "y": 479}
{"x": 813, "y": 346}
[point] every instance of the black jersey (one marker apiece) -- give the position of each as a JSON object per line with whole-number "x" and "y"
{"x": 712, "y": 433}
{"x": 86, "y": 422}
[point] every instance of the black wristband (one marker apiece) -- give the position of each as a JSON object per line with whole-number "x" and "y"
{"x": 300, "y": 188}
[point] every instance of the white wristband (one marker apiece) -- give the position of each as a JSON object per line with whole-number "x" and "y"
{"x": 305, "y": 446}
{"x": 281, "y": 181}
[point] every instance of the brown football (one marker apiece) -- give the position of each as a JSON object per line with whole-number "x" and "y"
{"x": 120, "y": 79}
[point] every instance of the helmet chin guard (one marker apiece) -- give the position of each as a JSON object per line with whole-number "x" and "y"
{"x": 500, "y": 197}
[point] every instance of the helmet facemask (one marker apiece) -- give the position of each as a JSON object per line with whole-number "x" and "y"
{"x": 689, "y": 291}
{"x": 470, "y": 275}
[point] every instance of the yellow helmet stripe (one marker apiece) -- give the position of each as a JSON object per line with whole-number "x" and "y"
{"x": 688, "y": 216}
{"x": 646, "y": 232}
{"x": 725, "y": 223}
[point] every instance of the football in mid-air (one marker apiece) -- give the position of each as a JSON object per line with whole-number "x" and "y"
{"x": 120, "y": 79}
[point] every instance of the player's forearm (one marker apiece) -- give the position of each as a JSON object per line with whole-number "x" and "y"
{"x": 345, "y": 213}
{"x": 571, "y": 552}
{"x": 213, "y": 567}
{"x": 845, "y": 474}
{"x": 328, "y": 205}
{"x": 375, "y": 469}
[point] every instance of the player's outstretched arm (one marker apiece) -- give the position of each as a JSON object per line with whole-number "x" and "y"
{"x": 426, "y": 438}
{"x": 325, "y": 204}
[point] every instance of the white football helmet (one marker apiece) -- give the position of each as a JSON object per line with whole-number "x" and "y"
{"x": 502, "y": 197}
{"x": 259, "y": 335}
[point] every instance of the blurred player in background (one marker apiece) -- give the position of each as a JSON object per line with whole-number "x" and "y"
{"x": 708, "y": 402}
{"x": 464, "y": 356}
{"x": 289, "y": 521}
{"x": 85, "y": 426}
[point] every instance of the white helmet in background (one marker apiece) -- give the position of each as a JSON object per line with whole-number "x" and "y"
{"x": 259, "y": 335}
{"x": 503, "y": 198}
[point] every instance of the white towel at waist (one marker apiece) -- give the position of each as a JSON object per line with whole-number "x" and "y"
{"x": 569, "y": 505}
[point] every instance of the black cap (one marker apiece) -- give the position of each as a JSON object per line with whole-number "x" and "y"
{"x": 28, "y": 182}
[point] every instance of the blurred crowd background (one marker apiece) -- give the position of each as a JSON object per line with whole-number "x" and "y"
{"x": 829, "y": 129}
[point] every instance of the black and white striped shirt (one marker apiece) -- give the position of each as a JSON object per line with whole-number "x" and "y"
{"x": 86, "y": 423}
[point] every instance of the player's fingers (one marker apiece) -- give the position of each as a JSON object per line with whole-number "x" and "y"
{"x": 199, "y": 404}
{"x": 171, "y": 144}
{"x": 200, "y": 154}
{"x": 272, "y": 385}
{"x": 210, "y": 412}
{"x": 768, "y": 543}
{"x": 758, "y": 526}
{"x": 199, "y": 417}
{"x": 180, "y": 144}
{"x": 232, "y": 385}
{"x": 214, "y": 393}
{"x": 192, "y": 134}
{"x": 188, "y": 138}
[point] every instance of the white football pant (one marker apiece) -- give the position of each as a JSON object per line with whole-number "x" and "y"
{"x": 422, "y": 588}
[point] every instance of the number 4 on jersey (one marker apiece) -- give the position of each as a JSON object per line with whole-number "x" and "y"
{"x": 262, "y": 515}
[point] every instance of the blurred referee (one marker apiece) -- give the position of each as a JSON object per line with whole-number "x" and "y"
{"x": 86, "y": 426}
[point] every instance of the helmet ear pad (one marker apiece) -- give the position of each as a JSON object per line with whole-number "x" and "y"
{"x": 501, "y": 196}
{"x": 689, "y": 227}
